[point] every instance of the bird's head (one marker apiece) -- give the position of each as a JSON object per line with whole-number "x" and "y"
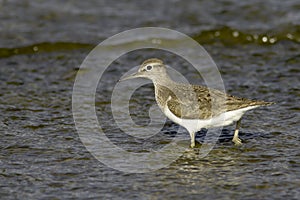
{"x": 152, "y": 69}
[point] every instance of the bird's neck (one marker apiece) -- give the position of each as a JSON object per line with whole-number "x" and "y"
{"x": 163, "y": 80}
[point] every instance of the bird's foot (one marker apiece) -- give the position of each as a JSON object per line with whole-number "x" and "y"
{"x": 237, "y": 141}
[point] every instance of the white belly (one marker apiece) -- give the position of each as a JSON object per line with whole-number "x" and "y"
{"x": 194, "y": 125}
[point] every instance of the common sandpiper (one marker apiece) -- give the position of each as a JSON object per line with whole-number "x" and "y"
{"x": 191, "y": 105}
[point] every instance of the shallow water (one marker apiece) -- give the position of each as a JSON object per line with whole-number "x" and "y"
{"x": 255, "y": 45}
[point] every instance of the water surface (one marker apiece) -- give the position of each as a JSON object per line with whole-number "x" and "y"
{"x": 255, "y": 45}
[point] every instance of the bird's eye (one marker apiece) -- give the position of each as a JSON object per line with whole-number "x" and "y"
{"x": 149, "y": 67}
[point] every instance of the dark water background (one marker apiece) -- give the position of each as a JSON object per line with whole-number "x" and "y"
{"x": 256, "y": 45}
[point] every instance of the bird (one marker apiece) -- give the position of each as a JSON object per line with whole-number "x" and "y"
{"x": 194, "y": 106}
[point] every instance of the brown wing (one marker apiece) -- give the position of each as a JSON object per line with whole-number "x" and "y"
{"x": 195, "y": 102}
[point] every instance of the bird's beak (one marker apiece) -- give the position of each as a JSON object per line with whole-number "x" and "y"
{"x": 131, "y": 76}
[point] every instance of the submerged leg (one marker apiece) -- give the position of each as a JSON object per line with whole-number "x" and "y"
{"x": 192, "y": 134}
{"x": 236, "y": 139}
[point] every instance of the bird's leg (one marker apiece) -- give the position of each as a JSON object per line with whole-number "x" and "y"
{"x": 236, "y": 139}
{"x": 192, "y": 134}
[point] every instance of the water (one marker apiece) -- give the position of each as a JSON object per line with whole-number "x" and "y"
{"x": 42, "y": 44}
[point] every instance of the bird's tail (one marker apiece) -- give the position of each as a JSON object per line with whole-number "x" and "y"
{"x": 263, "y": 103}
